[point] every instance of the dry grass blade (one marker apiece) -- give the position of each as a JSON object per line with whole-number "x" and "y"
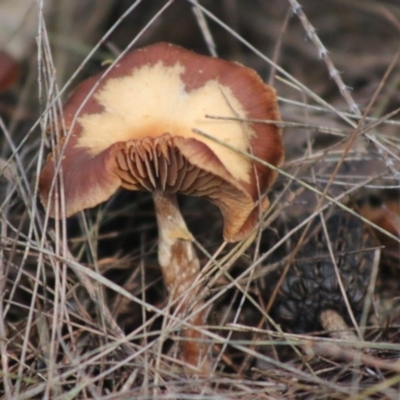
{"x": 95, "y": 293}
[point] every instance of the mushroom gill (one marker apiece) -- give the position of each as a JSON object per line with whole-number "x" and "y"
{"x": 153, "y": 164}
{"x": 163, "y": 163}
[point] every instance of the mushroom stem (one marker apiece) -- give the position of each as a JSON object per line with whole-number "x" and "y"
{"x": 180, "y": 267}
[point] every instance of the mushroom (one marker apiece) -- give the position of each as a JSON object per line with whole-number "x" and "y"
{"x": 134, "y": 127}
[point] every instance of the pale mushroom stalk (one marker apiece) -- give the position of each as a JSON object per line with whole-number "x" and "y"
{"x": 180, "y": 267}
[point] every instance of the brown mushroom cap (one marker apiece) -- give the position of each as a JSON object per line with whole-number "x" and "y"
{"x": 133, "y": 128}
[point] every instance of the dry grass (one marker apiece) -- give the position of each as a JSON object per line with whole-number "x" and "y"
{"x": 83, "y": 311}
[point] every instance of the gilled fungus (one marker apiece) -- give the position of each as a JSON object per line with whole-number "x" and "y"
{"x": 134, "y": 127}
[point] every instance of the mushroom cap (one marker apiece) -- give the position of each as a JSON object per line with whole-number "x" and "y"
{"x": 132, "y": 127}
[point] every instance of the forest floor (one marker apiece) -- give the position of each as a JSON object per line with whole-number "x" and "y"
{"x": 308, "y": 309}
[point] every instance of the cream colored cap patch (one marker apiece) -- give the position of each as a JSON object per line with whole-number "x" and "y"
{"x": 153, "y": 100}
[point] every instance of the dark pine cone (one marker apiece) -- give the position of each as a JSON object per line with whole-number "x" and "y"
{"x": 311, "y": 287}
